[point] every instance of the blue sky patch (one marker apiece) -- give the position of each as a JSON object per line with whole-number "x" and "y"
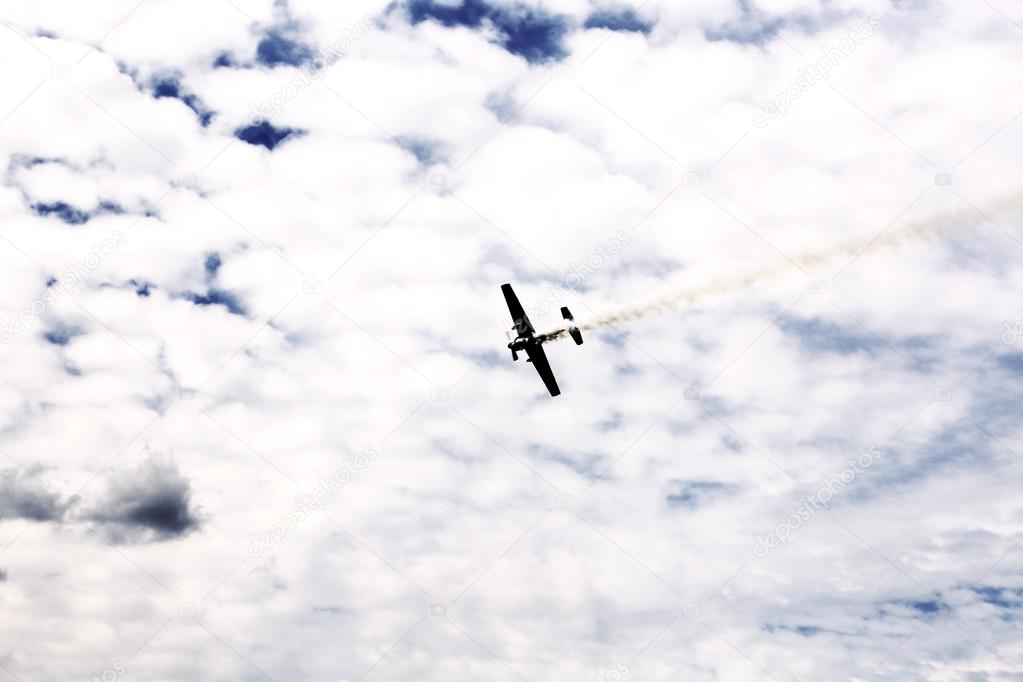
{"x": 212, "y": 264}
{"x": 111, "y": 207}
{"x": 624, "y": 19}
{"x": 928, "y": 606}
{"x": 691, "y": 494}
{"x": 224, "y": 60}
{"x": 616, "y": 338}
{"x": 528, "y": 33}
{"x": 217, "y": 297}
{"x": 61, "y": 335}
{"x": 1002, "y": 597}
{"x": 924, "y": 607}
{"x": 76, "y": 216}
{"x": 67, "y": 213}
{"x": 751, "y": 29}
{"x": 425, "y": 151}
{"x": 22, "y": 161}
{"x": 264, "y": 134}
{"x": 820, "y": 336}
{"x": 612, "y": 423}
{"x": 1013, "y": 362}
{"x": 748, "y": 31}
{"x": 801, "y": 630}
{"x": 584, "y": 464}
{"x": 756, "y": 28}
{"x": 168, "y": 85}
{"x": 142, "y": 287}
{"x": 278, "y": 48}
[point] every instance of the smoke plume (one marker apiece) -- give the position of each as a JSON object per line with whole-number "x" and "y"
{"x": 929, "y": 228}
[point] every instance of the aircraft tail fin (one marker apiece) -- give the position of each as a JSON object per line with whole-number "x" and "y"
{"x": 574, "y": 332}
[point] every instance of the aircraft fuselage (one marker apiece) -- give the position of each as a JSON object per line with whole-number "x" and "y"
{"x": 523, "y": 343}
{"x": 526, "y": 339}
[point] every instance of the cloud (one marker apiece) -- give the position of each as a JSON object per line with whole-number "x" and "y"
{"x": 149, "y": 503}
{"x": 329, "y": 280}
{"x": 23, "y": 497}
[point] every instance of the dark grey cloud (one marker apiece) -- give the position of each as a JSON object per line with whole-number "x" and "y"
{"x": 150, "y": 503}
{"x": 23, "y": 497}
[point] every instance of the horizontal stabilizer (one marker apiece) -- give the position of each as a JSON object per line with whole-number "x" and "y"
{"x": 574, "y": 332}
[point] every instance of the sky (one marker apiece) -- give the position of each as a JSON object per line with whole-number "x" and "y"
{"x": 258, "y": 420}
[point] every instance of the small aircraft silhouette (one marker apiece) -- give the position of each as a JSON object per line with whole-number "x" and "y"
{"x": 528, "y": 340}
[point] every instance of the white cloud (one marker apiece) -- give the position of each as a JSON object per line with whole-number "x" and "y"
{"x": 500, "y": 533}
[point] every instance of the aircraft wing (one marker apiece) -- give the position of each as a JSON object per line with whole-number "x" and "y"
{"x": 543, "y": 368}
{"x": 522, "y": 324}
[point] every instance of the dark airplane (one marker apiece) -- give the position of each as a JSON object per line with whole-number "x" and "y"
{"x": 528, "y": 340}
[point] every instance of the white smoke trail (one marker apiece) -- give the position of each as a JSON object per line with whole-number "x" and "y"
{"x": 929, "y": 228}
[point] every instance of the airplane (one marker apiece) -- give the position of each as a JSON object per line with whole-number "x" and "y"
{"x": 526, "y": 339}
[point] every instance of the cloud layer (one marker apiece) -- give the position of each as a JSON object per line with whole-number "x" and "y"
{"x": 257, "y": 416}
